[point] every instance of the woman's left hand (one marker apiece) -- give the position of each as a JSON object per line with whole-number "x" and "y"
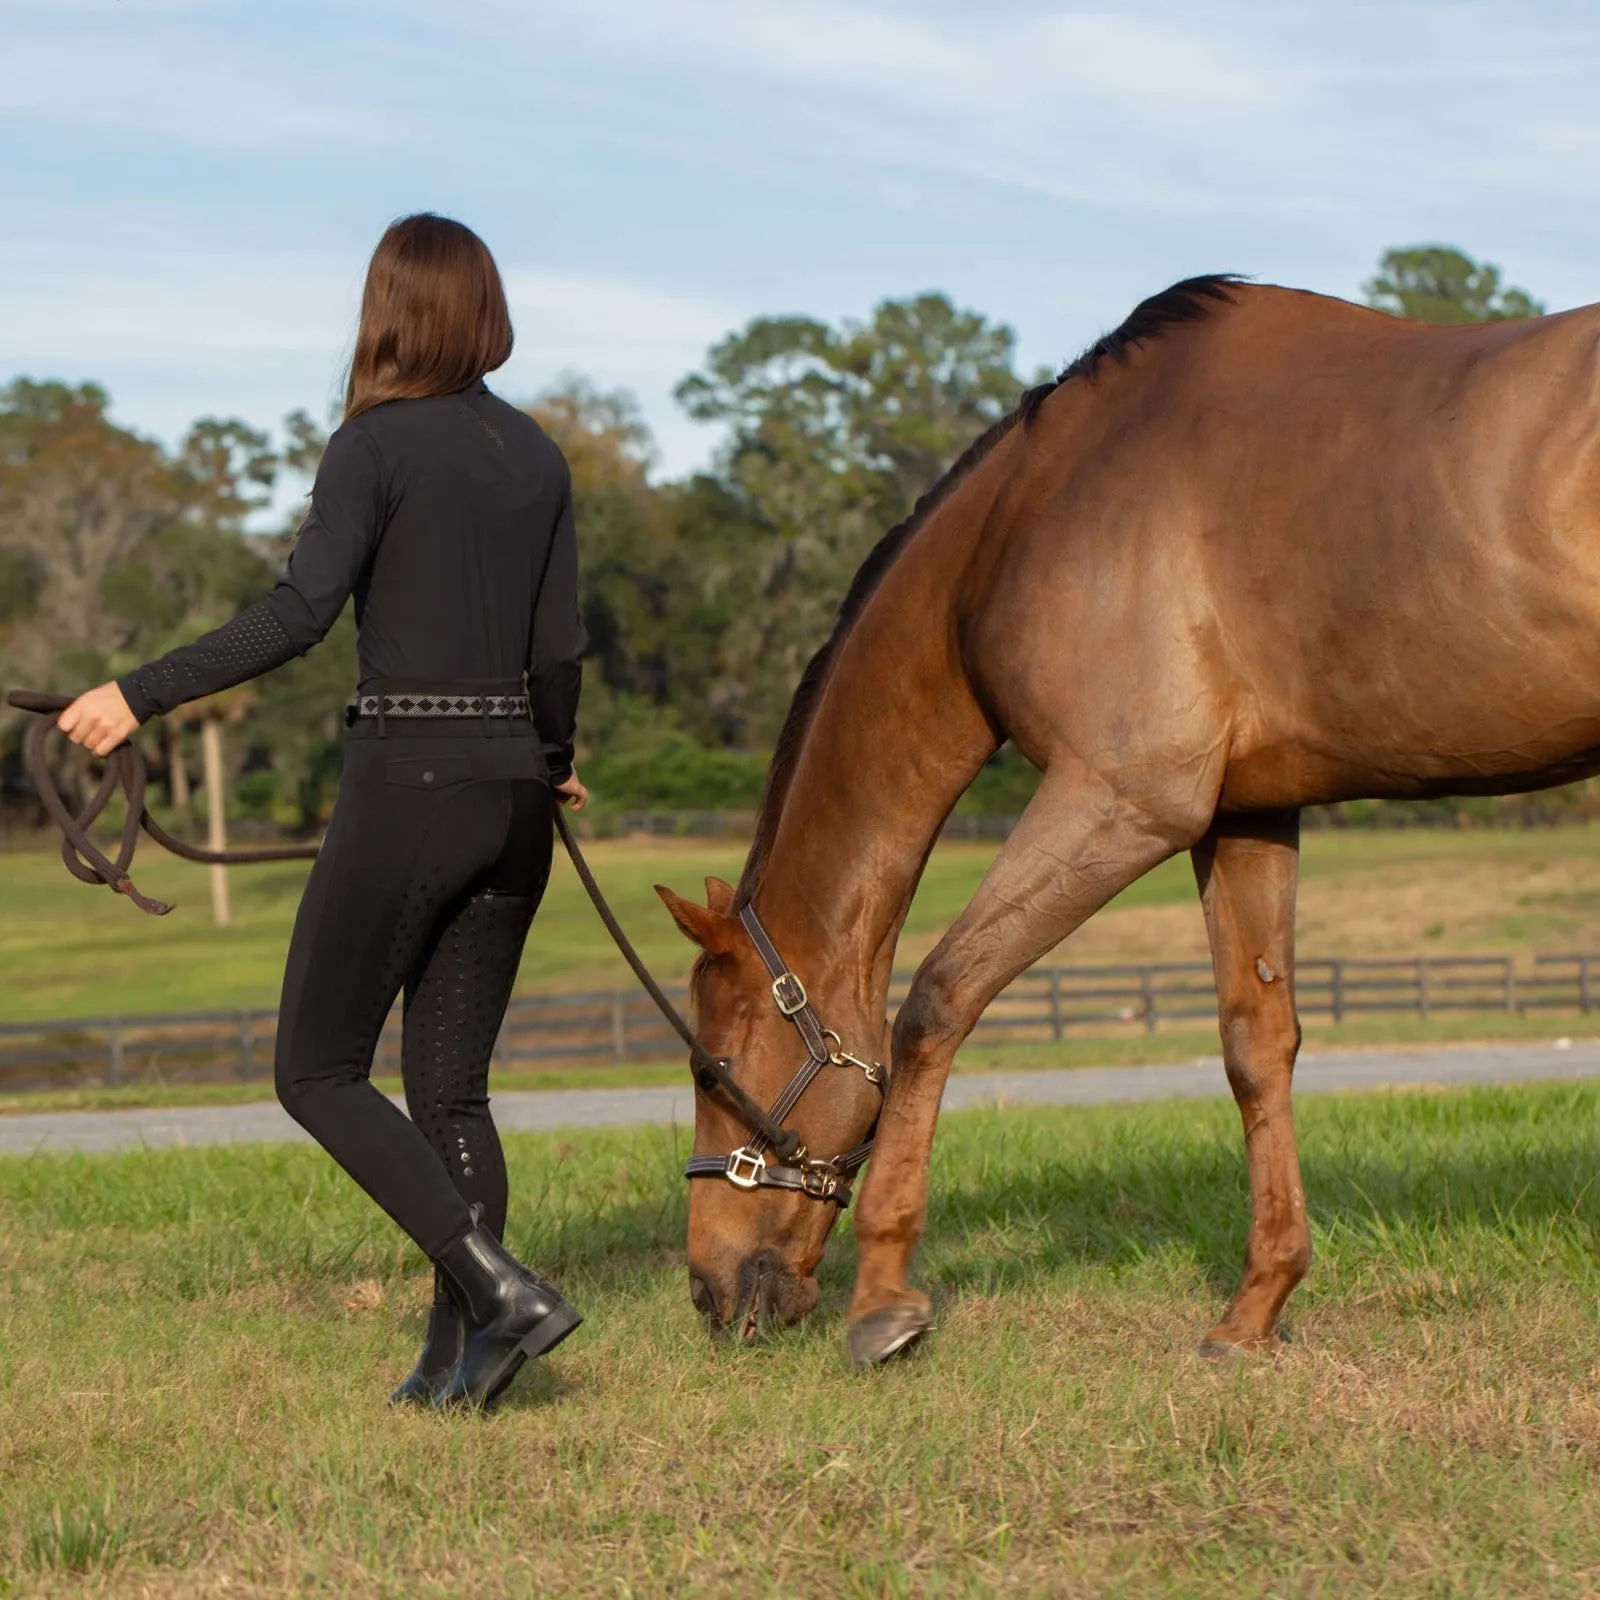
{"x": 572, "y": 792}
{"x": 99, "y": 720}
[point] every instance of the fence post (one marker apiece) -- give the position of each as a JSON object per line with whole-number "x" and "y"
{"x": 1585, "y": 994}
{"x": 1422, "y": 986}
{"x": 1147, "y": 990}
{"x": 1055, "y": 1002}
{"x": 1511, "y": 985}
{"x": 246, "y": 1065}
{"x": 619, "y": 1034}
{"x": 1338, "y": 991}
{"x": 114, "y": 1066}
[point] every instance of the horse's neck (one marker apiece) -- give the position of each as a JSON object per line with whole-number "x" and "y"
{"x": 895, "y": 738}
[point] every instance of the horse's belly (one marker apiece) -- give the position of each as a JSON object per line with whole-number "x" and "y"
{"x": 1519, "y": 732}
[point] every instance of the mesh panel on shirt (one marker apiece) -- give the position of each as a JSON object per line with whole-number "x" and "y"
{"x": 252, "y": 643}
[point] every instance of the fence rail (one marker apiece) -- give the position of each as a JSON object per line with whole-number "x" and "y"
{"x": 615, "y": 1026}
{"x": 621, "y": 1025}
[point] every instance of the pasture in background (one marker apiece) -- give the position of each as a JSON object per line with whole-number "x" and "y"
{"x": 67, "y": 949}
{"x": 76, "y": 952}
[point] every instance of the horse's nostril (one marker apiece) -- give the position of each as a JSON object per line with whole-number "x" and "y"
{"x": 700, "y": 1293}
{"x": 759, "y": 1278}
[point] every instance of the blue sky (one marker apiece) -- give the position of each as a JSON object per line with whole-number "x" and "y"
{"x": 191, "y": 187}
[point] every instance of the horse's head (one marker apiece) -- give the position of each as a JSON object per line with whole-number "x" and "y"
{"x": 754, "y": 1249}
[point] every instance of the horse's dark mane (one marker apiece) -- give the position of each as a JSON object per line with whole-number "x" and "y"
{"x": 1183, "y": 302}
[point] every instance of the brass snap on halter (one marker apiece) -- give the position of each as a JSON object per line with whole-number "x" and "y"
{"x": 840, "y": 1057}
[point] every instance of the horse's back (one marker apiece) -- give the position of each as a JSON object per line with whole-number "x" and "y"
{"x": 1362, "y": 552}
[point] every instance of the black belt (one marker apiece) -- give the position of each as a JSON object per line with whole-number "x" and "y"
{"x": 438, "y": 705}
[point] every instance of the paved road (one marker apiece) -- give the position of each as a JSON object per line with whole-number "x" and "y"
{"x": 591, "y": 1108}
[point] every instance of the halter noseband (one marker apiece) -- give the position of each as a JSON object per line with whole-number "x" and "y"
{"x": 748, "y": 1167}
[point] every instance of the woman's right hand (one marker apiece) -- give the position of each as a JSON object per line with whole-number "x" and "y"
{"x": 572, "y": 792}
{"x": 100, "y": 720}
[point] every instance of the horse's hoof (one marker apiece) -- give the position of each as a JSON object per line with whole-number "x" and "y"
{"x": 1218, "y": 1347}
{"x": 881, "y": 1335}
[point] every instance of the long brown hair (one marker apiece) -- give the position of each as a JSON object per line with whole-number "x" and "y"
{"x": 433, "y": 315}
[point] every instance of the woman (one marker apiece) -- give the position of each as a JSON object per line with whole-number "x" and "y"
{"x": 448, "y": 515}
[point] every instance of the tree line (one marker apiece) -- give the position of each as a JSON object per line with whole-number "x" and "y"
{"x": 703, "y": 597}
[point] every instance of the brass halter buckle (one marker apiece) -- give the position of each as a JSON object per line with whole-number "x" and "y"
{"x": 790, "y": 995}
{"x": 745, "y": 1167}
{"x": 819, "y": 1180}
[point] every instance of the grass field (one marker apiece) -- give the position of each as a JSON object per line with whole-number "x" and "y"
{"x": 68, "y": 950}
{"x": 195, "y": 1347}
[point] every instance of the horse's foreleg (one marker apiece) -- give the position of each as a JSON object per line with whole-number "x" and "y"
{"x": 1247, "y": 869}
{"x": 1076, "y": 846}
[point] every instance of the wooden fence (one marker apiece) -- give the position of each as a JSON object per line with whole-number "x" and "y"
{"x": 621, "y": 1025}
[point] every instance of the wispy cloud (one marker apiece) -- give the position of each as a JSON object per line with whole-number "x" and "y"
{"x": 162, "y": 307}
{"x": 277, "y": 327}
{"x": 980, "y": 62}
{"x": 615, "y": 325}
{"x": 191, "y": 186}
{"x": 169, "y": 72}
{"x": 1264, "y": 108}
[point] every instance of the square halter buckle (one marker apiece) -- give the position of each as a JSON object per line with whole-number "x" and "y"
{"x": 745, "y": 1167}
{"x": 790, "y": 994}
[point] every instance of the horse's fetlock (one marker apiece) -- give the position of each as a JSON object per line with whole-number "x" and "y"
{"x": 1281, "y": 1261}
{"x": 1294, "y": 1257}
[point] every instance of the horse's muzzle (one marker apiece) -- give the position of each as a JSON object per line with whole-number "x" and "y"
{"x": 762, "y": 1295}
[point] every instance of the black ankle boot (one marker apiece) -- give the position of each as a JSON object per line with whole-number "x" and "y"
{"x": 441, "y": 1349}
{"x": 510, "y": 1314}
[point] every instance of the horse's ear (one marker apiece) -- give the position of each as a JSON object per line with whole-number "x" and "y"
{"x": 700, "y": 924}
{"x": 719, "y": 896}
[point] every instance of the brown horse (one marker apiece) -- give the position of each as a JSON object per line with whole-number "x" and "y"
{"x": 1256, "y": 550}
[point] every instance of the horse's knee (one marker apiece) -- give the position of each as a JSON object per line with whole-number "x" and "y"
{"x": 929, "y": 1020}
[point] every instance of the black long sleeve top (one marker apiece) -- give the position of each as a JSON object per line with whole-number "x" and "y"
{"x": 450, "y": 520}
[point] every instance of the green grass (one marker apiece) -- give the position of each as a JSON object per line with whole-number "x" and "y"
{"x": 195, "y": 1347}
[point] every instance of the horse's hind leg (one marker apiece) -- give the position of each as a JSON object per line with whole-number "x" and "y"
{"x": 1247, "y": 869}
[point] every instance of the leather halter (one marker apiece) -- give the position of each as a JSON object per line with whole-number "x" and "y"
{"x": 747, "y": 1167}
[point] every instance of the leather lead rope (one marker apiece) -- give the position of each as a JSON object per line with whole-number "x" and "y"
{"x": 711, "y": 1072}
{"x": 124, "y": 770}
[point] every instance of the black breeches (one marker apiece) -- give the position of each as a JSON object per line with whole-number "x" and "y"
{"x": 434, "y": 864}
